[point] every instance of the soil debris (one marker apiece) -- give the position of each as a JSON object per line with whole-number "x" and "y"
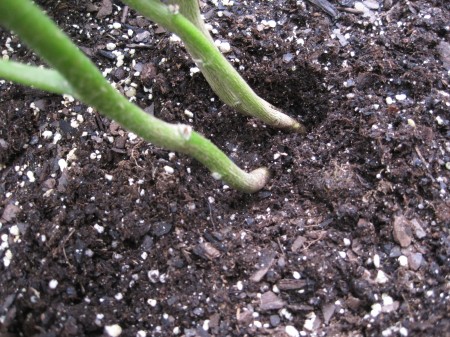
{"x": 102, "y": 232}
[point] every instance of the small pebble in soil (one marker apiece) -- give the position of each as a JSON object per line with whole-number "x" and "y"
{"x": 47, "y": 134}
{"x": 257, "y": 324}
{"x": 298, "y": 243}
{"x": 7, "y": 258}
{"x": 198, "y": 311}
{"x": 411, "y": 123}
{"x": 291, "y": 331}
{"x": 271, "y": 23}
{"x": 131, "y": 92}
{"x": 328, "y": 311}
{"x": 381, "y": 277}
{"x": 419, "y": 232}
{"x": 402, "y": 231}
{"x": 286, "y": 314}
{"x": 206, "y": 251}
{"x": 205, "y": 325}
{"x": 107, "y": 54}
{"x": 376, "y": 261}
{"x": 143, "y": 36}
{"x": 62, "y": 164}
{"x": 161, "y": 228}
{"x": 387, "y": 300}
{"x": 99, "y": 229}
{"x": 174, "y": 38}
{"x": 395, "y": 252}
{"x": 153, "y": 275}
{"x": 152, "y": 302}
{"x": 371, "y": 4}
{"x": 14, "y": 230}
{"x": 310, "y": 323}
{"x": 223, "y": 46}
{"x": 98, "y": 319}
{"x": 31, "y": 177}
{"x": 403, "y": 331}
{"x": 111, "y": 46}
{"x": 53, "y": 284}
{"x": 114, "y": 330}
{"x": 403, "y": 261}
{"x": 270, "y": 301}
{"x": 189, "y": 113}
{"x": 376, "y": 309}
{"x": 274, "y": 320}
{"x": 415, "y": 260}
{"x": 168, "y": 169}
{"x": 132, "y": 136}
{"x": 71, "y": 292}
{"x": 287, "y": 57}
{"x": 194, "y": 70}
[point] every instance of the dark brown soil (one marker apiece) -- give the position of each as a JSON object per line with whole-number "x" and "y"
{"x": 349, "y": 238}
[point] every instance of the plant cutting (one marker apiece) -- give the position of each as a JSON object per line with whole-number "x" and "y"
{"x": 183, "y": 18}
{"x": 76, "y": 75}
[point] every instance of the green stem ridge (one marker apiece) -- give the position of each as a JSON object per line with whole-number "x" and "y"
{"x": 220, "y": 74}
{"x": 26, "y": 19}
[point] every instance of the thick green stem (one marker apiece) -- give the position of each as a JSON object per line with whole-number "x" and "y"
{"x": 220, "y": 74}
{"x": 44, "y": 37}
{"x": 40, "y": 78}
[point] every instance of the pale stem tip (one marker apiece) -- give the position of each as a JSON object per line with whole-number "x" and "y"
{"x": 299, "y": 128}
{"x": 259, "y": 178}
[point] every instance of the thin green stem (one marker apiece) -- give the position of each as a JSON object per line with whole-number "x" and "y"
{"x": 43, "y": 36}
{"x": 220, "y": 74}
{"x": 37, "y": 77}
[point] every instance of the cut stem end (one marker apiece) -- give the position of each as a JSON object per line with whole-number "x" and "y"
{"x": 256, "y": 180}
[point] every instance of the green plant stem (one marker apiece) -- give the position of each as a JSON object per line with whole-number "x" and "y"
{"x": 220, "y": 74}
{"x": 40, "y": 78}
{"x": 44, "y": 37}
{"x": 191, "y": 11}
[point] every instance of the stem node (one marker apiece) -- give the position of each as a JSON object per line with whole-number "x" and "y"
{"x": 185, "y": 131}
{"x": 216, "y": 175}
{"x": 174, "y": 9}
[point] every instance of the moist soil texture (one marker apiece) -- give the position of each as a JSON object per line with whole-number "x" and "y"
{"x": 104, "y": 234}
